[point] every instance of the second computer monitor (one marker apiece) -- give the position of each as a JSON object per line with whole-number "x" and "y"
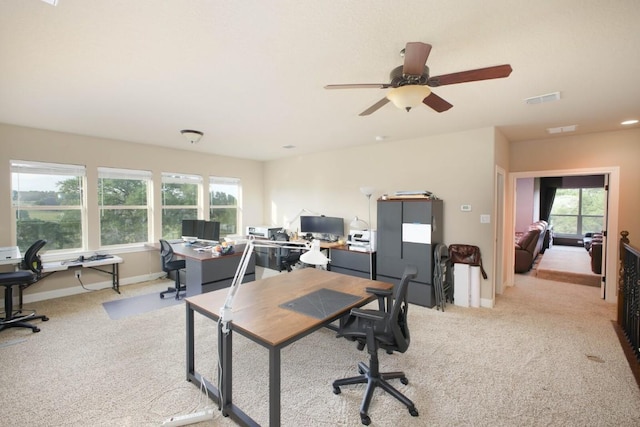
{"x": 193, "y": 229}
{"x": 329, "y": 228}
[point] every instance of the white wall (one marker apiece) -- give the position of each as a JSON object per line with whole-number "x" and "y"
{"x": 20, "y": 143}
{"x": 458, "y": 168}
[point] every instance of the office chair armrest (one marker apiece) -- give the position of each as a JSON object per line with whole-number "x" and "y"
{"x": 372, "y": 315}
{"x": 381, "y": 294}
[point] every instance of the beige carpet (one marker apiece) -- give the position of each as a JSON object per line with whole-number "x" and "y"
{"x": 546, "y": 355}
{"x": 569, "y": 264}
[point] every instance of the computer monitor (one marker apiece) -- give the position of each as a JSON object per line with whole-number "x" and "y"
{"x": 190, "y": 229}
{"x": 211, "y": 231}
{"x": 327, "y": 227}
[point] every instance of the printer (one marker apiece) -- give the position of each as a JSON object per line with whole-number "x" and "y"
{"x": 362, "y": 240}
{"x": 262, "y": 231}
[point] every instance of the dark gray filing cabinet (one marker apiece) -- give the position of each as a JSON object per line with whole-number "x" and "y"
{"x": 353, "y": 263}
{"x": 216, "y": 273}
{"x": 393, "y": 254}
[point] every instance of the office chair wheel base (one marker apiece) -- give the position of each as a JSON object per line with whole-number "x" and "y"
{"x": 365, "y": 419}
{"x": 336, "y": 390}
{"x": 35, "y": 329}
{"x": 413, "y": 412}
{"x": 45, "y": 318}
{"x": 404, "y": 380}
{"x": 161, "y": 296}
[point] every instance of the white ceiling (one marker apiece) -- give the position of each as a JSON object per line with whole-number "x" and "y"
{"x": 250, "y": 74}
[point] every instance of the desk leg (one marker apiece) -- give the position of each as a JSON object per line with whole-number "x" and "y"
{"x": 191, "y": 366}
{"x": 115, "y": 278}
{"x": 225, "y": 371}
{"x": 274, "y": 387}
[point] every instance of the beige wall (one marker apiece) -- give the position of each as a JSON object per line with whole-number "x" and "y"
{"x": 599, "y": 150}
{"x": 458, "y": 168}
{"x": 55, "y": 147}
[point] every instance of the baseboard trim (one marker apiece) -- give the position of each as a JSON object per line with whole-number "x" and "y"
{"x": 74, "y": 290}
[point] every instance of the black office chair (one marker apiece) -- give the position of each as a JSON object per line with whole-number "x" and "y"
{"x": 169, "y": 264}
{"x": 288, "y": 257}
{"x": 29, "y": 274}
{"x": 384, "y": 328}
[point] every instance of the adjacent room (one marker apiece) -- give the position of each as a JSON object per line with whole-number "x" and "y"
{"x": 233, "y": 213}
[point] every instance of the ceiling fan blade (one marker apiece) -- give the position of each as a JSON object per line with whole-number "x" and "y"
{"x": 497, "y": 72}
{"x": 359, "y": 86}
{"x": 415, "y": 57}
{"x": 375, "y": 107}
{"x": 437, "y": 103}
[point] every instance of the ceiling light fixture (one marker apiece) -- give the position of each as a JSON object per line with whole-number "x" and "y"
{"x": 629, "y": 122}
{"x": 408, "y": 96}
{"x": 51, "y": 2}
{"x": 193, "y": 136}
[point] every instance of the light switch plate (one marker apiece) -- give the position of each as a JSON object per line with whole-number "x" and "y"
{"x": 485, "y": 219}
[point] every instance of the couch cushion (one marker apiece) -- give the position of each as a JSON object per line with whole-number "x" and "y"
{"x": 529, "y": 239}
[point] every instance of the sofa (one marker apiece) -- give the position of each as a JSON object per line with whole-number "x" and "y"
{"x": 593, "y": 245}
{"x": 529, "y": 245}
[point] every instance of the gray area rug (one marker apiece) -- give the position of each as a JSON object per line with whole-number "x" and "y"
{"x": 546, "y": 355}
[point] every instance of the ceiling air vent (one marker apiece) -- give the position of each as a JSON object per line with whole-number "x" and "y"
{"x": 540, "y": 99}
{"x": 562, "y": 129}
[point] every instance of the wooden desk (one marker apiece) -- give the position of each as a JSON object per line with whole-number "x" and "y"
{"x": 206, "y": 272}
{"x": 258, "y": 315}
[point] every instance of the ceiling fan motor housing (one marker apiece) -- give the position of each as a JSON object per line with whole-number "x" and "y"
{"x": 398, "y": 79}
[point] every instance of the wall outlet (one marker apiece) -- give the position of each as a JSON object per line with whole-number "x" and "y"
{"x": 465, "y": 208}
{"x": 78, "y": 273}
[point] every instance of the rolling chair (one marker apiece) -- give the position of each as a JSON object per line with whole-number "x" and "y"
{"x": 29, "y": 274}
{"x": 385, "y": 328}
{"x": 288, "y": 257}
{"x": 169, "y": 264}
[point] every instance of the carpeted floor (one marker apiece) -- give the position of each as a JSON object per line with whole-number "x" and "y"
{"x": 546, "y": 355}
{"x": 569, "y": 264}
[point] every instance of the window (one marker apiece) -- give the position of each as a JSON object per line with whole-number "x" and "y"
{"x": 48, "y": 202}
{"x": 179, "y": 201}
{"x": 125, "y": 205}
{"x": 577, "y": 211}
{"x": 224, "y": 207}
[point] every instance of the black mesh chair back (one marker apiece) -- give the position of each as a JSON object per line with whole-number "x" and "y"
{"x": 385, "y": 328}
{"x": 31, "y": 260}
{"x": 31, "y": 268}
{"x": 169, "y": 264}
{"x": 288, "y": 257}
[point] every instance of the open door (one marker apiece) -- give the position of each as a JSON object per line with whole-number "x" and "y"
{"x": 603, "y": 288}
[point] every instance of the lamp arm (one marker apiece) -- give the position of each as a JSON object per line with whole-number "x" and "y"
{"x": 226, "y": 313}
{"x": 287, "y": 224}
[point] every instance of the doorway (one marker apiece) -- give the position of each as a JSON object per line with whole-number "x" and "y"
{"x": 610, "y": 226}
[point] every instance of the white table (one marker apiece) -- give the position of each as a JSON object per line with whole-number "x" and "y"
{"x": 49, "y": 268}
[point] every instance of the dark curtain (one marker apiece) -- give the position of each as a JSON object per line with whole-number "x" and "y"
{"x": 547, "y": 195}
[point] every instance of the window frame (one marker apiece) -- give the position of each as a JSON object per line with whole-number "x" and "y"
{"x": 579, "y": 216}
{"x": 219, "y": 180}
{"x": 181, "y": 178}
{"x": 126, "y": 174}
{"x": 50, "y": 169}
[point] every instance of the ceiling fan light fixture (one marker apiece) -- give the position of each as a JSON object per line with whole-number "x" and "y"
{"x": 408, "y": 96}
{"x": 193, "y": 136}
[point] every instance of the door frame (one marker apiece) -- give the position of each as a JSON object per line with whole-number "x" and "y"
{"x": 610, "y": 248}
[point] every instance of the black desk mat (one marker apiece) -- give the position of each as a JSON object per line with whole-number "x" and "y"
{"x": 321, "y": 303}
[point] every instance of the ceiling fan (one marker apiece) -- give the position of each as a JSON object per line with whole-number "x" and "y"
{"x": 410, "y": 83}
